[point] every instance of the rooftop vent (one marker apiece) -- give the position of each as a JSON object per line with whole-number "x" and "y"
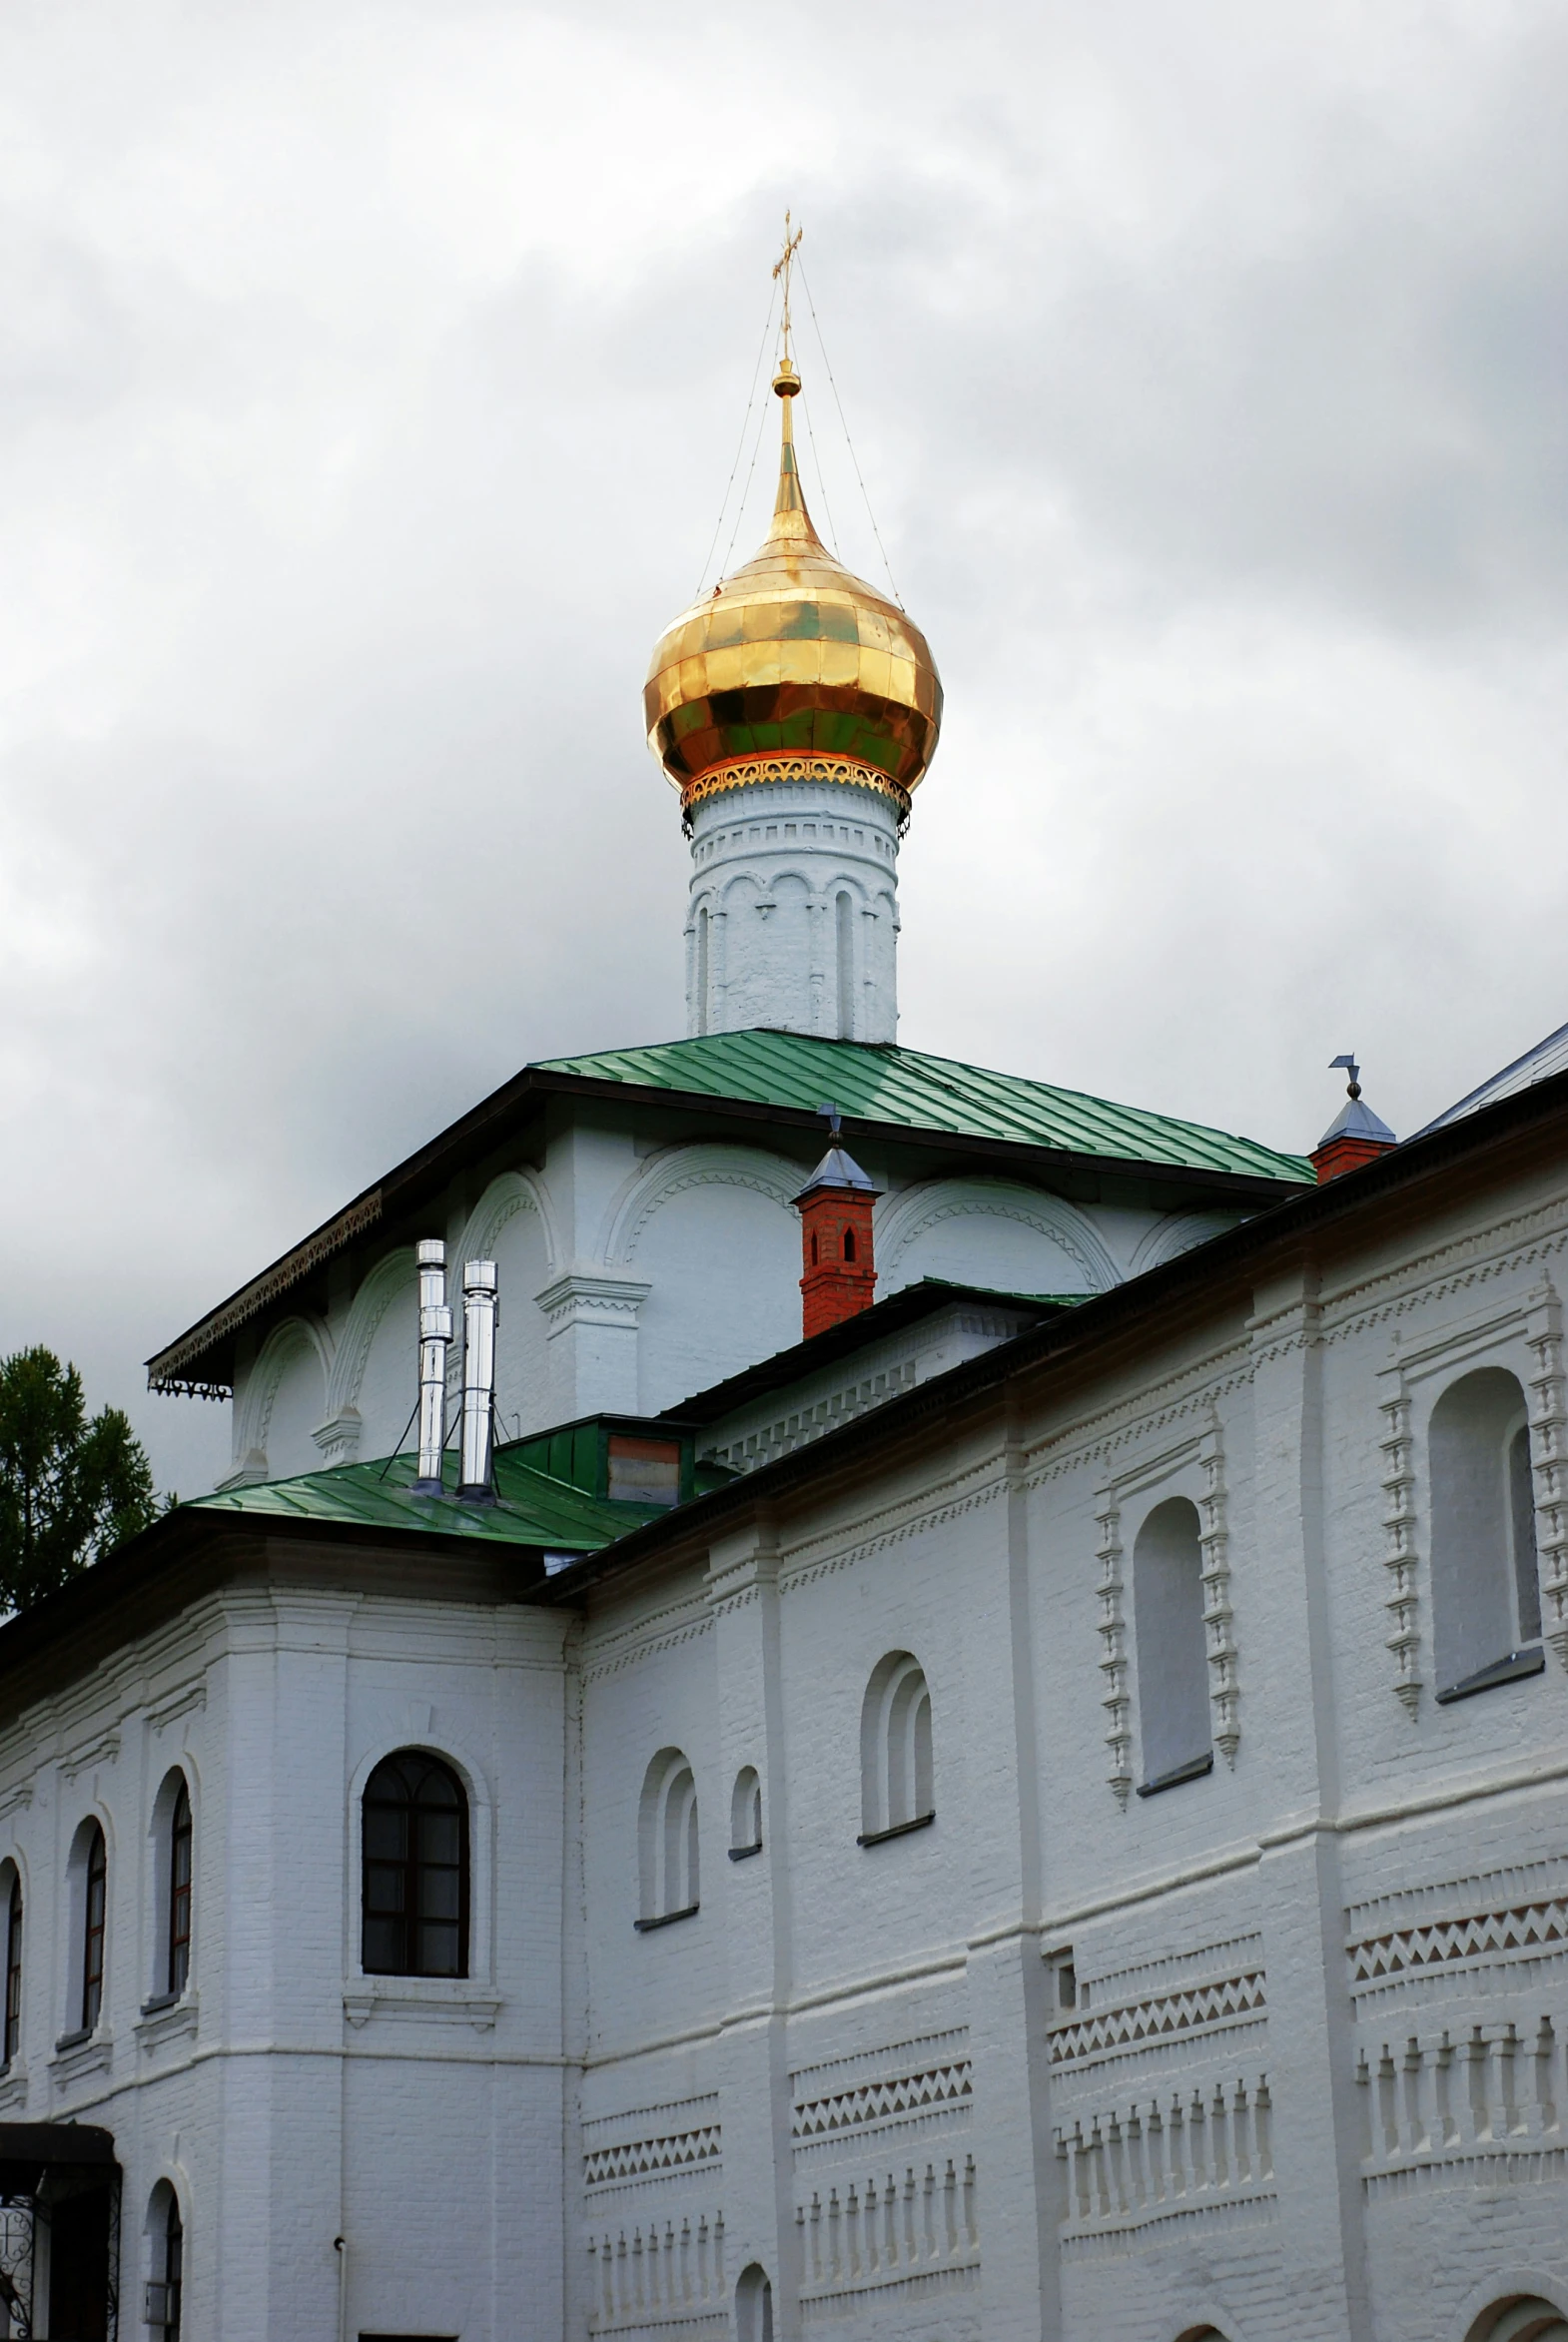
{"x": 477, "y": 1482}
{"x": 434, "y": 1334}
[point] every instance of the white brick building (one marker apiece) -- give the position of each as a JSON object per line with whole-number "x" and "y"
{"x": 1040, "y": 1812}
{"x": 1276, "y": 2050}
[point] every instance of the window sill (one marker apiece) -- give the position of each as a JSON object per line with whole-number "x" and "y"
{"x": 434, "y": 1999}
{"x": 81, "y": 2054}
{"x": 1510, "y": 1670}
{"x": 666, "y": 1918}
{"x": 899, "y": 1830}
{"x": 1192, "y": 1769}
{"x": 13, "y": 2087}
{"x": 739, "y": 1854}
{"x": 165, "y": 2018}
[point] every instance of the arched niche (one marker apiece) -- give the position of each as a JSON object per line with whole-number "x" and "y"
{"x": 1178, "y": 1232}
{"x": 712, "y": 1232}
{"x": 992, "y": 1232}
{"x": 282, "y": 1401}
{"x": 511, "y": 1227}
{"x": 1173, "y": 1716}
{"x": 753, "y": 2306}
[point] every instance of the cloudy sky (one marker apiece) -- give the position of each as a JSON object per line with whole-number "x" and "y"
{"x": 370, "y": 380}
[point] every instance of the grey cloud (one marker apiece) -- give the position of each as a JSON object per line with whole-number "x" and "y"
{"x": 1202, "y": 369}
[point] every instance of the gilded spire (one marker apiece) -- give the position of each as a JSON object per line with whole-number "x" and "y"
{"x": 789, "y": 506}
{"x": 792, "y": 658}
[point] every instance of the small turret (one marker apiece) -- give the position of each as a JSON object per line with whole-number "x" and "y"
{"x": 837, "y": 1245}
{"x": 1355, "y": 1135}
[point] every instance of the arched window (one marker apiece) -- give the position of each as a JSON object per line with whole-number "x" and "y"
{"x": 166, "y": 2286}
{"x": 897, "y": 1781}
{"x": 745, "y": 1815}
{"x": 849, "y": 1243}
{"x": 670, "y": 1878}
{"x": 95, "y": 1912}
{"x": 1486, "y": 1592}
{"x": 13, "y": 1968}
{"x": 1526, "y": 2319}
{"x": 753, "y": 2306}
{"x": 1173, "y": 1648}
{"x": 179, "y": 1923}
{"x": 415, "y": 1891}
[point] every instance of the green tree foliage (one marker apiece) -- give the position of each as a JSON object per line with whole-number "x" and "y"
{"x": 70, "y": 1489}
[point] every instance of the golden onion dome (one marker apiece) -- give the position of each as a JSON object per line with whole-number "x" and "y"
{"x": 793, "y": 669}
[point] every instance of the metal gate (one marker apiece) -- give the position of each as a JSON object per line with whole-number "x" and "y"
{"x": 59, "y": 2233}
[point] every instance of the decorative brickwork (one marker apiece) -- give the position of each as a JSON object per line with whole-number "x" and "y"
{"x": 1399, "y": 1553}
{"x": 1549, "y": 1458}
{"x": 1234, "y": 1999}
{"x": 634, "y": 2158}
{"x": 1477, "y": 2105}
{"x": 1539, "y": 1928}
{"x": 1116, "y": 1698}
{"x": 1152, "y": 2161}
{"x": 804, "y": 1425}
{"x": 1219, "y": 1618}
{"x": 889, "y": 2227}
{"x": 665, "y": 2273}
{"x": 882, "y": 2101}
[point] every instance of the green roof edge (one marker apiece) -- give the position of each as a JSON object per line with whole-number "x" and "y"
{"x": 920, "y": 1090}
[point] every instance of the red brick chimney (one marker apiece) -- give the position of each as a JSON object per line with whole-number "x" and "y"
{"x": 836, "y": 1248}
{"x": 1357, "y": 1135}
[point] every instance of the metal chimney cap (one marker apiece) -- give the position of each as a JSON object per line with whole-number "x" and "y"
{"x": 431, "y": 1252}
{"x": 838, "y": 1169}
{"x": 478, "y": 1276}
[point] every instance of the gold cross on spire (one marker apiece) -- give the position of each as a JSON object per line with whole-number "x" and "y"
{"x": 781, "y": 268}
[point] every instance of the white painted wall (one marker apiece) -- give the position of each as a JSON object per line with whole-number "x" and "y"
{"x": 1309, "y": 1936}
{"x": 1341, "y": 1955}
{"x": 288, "y": 2099}
{"x": 722, "y": 1259}
{"x": 793, "y": 914}
{"x": 634, "y": 1272}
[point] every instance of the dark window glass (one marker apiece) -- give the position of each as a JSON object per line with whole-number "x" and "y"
{"x": 416, "y": 1870}
{"x": 79, "y": 2263}
{"x": 13, "y": 1974}
{"x": 1521, "y": 1498}
{"x": 849, "y": 1243}
{"x": 96, "y": 1886}
{"x": 180, "y": 1893}
{"x": 173, "y": 2269}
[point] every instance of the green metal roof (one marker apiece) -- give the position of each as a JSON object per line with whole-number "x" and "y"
{"x": 531, "y": 1507}
{"x": 927, "y": 1093}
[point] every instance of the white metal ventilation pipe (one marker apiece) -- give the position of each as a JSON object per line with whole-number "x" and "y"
{"x": 479, "y": 1380}
{"x": 434, "y": 1334}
